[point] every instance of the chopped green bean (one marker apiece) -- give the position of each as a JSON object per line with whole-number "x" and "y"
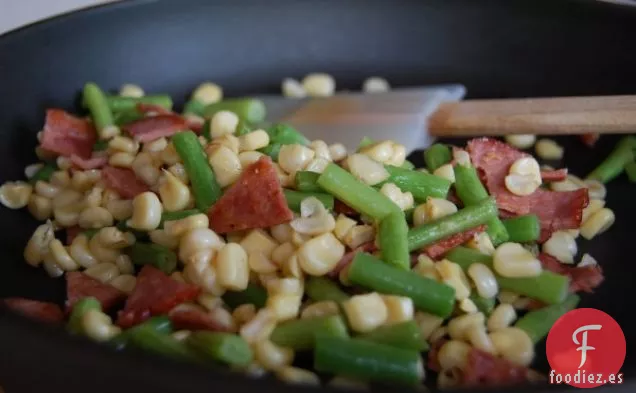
{"x": 321, "y": 289}
{"x": 96, "y": 102}
{"x": 361, "y": 197}
{"x": 436, "y": 156}
{"x": 307, "y": 181}
{"x": 79, "y": 310}
{"x": 126, "y": 117}
{"x": 294, "y": 199}
{"x": 615, "y": 163}
{"x": 280, "y": 135}
{"x": 206, "y": 189}
{"x": 467, "y": 218}
{"x": 406, "y": 335}
{"x": 368, "y": 360}
{"x": 172, "y": 216}
{"x": 300, "y": 334}
{"x": 247, "y": 109}
{"x": 221, "y": 347}
{"x": 160, "y": 324}
{"x": 366, "y": 141}
{"x": 394, "y": 244}
{"x": 253, "y": 294}
{"x": 485, "y": 305}
{"x": 194, "y": 107}
{"x": 523, "y": 229}
{"x": 407, "y": 165}
{"x": 630, "y": 169}
{"x": 538, "y": 323}
{"x": 408, "y": 214}
{"x": 122, "y": 104}
{"x": 427, "y": 294}
{"x": 43, "y": 173}
{"x": 156, "y": 255}
{"x": 100, "y": 145}
{"x": 89, "y": 233}
{"x": 421, "y": 185}
{"x": 151, "y": 340}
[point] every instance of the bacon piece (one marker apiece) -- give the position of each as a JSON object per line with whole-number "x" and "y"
{"x": 190, "y": 319}
{"x": 79, "y": 286}
{"x": 555, "y": 175}
{"x": 35, "y": 309}
{"x": 443, "y": 246}
{"x": 151, "y": 128}
{"x": 67, "y": 135}
{"x": 155, "y": 293}
{"x": 71, "y": 234}
{"x": 94, "y": 162}
{"x": 590, "y": 139}
{"x": 342, "y": 208}
{"x": 433, "y": 355}
{"x": 256, "y": 200}
{"x": 348, "y": 257}
{"x": 558, "y": 210}
{"x": 584, "y": 279}
{"x": 483, "y": 369}
{"x": 124, "y": 181}
{"x": 153, "y": 109}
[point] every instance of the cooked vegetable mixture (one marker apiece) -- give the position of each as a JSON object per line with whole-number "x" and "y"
{"x": 209, "y": 237}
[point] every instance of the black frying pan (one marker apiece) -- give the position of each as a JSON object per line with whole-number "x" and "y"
{"x": 505, "y": 48}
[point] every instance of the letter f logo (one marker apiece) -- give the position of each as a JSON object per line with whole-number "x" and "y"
{"x": 583, "y": 344}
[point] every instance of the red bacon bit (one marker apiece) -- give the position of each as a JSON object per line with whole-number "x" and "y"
{"x": 67, "y": 135}
{"x": 443, "y": 246}
{"x": 348, "y": 257}
{"x": 584, "y": 279}
{"x": 35, "y": 309}
{"x": 433, "y": 355}
{"x": 556, "y": 175}
{"x": 590, "y": 139}
{"x": 484, "y": 369}
{"x": 152, "y": 108}
{"x": 94, "y": 162}
{"x": 342, "y": 208}
{"x": 190, "y": 319}
{"x": 534, "y": 304}
{"x": 256, "y": 200}
{"x": 71, "y": 234}
{"x": 155, "y": 293}
{"x": 124, "y": 181}
{"x": 152, "y": 128}
{"x": 79, "y": 286}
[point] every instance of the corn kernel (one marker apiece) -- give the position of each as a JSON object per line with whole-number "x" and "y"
{"x": 365, "y": 312}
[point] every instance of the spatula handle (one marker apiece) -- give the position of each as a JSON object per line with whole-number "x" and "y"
{"x": 554, "y": 116}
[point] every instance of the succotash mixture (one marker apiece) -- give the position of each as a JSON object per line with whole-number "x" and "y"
{"x": 211, "y": 239}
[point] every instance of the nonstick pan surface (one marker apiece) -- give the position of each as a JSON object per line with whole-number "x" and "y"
{"x": 504, "y": 48}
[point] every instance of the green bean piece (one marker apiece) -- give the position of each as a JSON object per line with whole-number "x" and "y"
{"x": 151, "y": 340}
{"x": 485, "y": 305}
{"x": 427, "y": 294}
{"x": 365, "y": 142}
{"x": 368, "y": 360}
{"x": 407, "y": 165}
{"x": 436, "y": 156}
{"x": 100, "y": 145}
{"x": 465, "y": 219}
{"x": 547, "y": 287}
{"x": 206, "y": 190}
{"x": 300, "y": 334}
{"x": 421, "y": 185}
{"x": 122, "y": 104}
{"x": 470, "y": 191}
{"x": 359, "y": 196}
{"x": 307, "y": 181}
{"x": 408, "y": 214}
{"x": 89, "y": 233}
{"x": 538, "y": 323}
{"x": 226, "y": 348}
{"x": 173, "y": 216}
{"x": 615, "y": 163}
{"x": 272, "y": 150}
{"x": 523, "y": 229}
{"x": 79, "y": 310}
{"x": 322, "y": 289}
{"x": 295, "y": 198}
{"x": 206, "y": 130}
{"x": 43, "y": 173}
{"x": 280, "y": 135}
{"x": 194, "y": 107}
{"x": 406, "y": 335}
{"x": 247, "y": 109}
{"x": 394, "y": 244}
{"x": 160, "y": 324}
{"x": 630, "y": 169}
{"x": 253, "y": 294}
{"x": 97, "y": 104}
{"x": 123, "y": 226}
{"x": 243, "y": 128}
{"x": 126, "y": 117}
{"x": 153, "y": 254}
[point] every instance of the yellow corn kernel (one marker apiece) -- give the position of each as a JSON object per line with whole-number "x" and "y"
{"x": 314, "y": 219}
{"x": 125, "y": 283}
{"x": 124, "y": 264}
{"x": 594, "y": 206}
{"x": 208, "y": 93}
{"x": 346, "y": 383}
{"x": 120, "y": 209}
{"x": 286, "y": 286}
{"x": 291, "y": 88}
{"x": 319, "y": 85}
{"x": 145, "y": 168}
{"x": 94, "y": 197}
{"x": 484, "y": 280}
{"x": 264, "y": 279}
{"x": 196, "y": 240}
{"x": 232, "y": 268}
{"x": 521, "y": 141}
{"x": 227, "y": 140}
{"x": 181, "y": 335}
{"x": 482, "y": 243}
{"x": 46, "y": 189}
{"x": 247, "y": 158}
{"x": 223, "y": 319}
{"x": 178, "y": 276}
{"x": 366, "y": 169}
{"x": 453, "y": 355}
{"x": 112, "y": 237}
{"x": 297, "y": 376}
{"x": 258, "y": 240}
{"x": 294, "y": 158}
{"x": 478, "y": 338}
{"x": 507, "y": 297}
{"x": 80, "y": 252}
{"x": 562, "y": 246}
{"x": 121, "y": 159}
{"x": 359, "y": 235}
{"x": 320, "y": 309}
{"x": 66, "y": 216}
{"x": 254, "y": 140}
{"x": 259, "y": 263}
{"x": 282, "y": 253}
{"x": 123, "y": 144}
{"x": 159, "y": 236}
{"x": 548, "y": 149}
{"x": 260, "y": 327}
{"x": 64, "y": 163}
{"x": 146, "y": 212}
{"x": 68, "y": 198}
{"x": 271, "y": 356}
{"x": 203, "y": 275}
{"x": 226, "y": 165}
{"x": 343, "y": 277}
{"x": 587, "y": 260}
{"x": 399, "y": 308}
{"x": 40, "y": 207}
{"x": 60, "y": 178}
{"x": 321, "y": 149}
{"x": 404, "y": 200}
{"x": 337, "y": 151}
{"x": 514, "y": 345}
{"x": 101, "y": 253}
{"x": 526, "y": 166}
{"x": 243, "y": 313}
{"x": 501, "y": 317}
{"x": 109, "y": 195}
{"x": 343, "y": 226}
{"x": 380, "y": 151}
{"x": 596, "y": 189}
{"x": 179, "y": 171}
{"x": 445, "y": 171}
{"x": 458, "y": 326}
{"x": 284, "y": 306}
{"x": 291, "y": 267}
{"x": 95, "y": 217}
{"x": 282, "y": 232}
{"x": 175, "y": 195}
{"x": 437, "y": 208}
{"x": 438, "y": 334}
{"x": 51, "y": 268}
{"x": 365, "y": 312}
{"x": 317, "y": 165}
{"x": 320, "y": 255}
{"x": 131, "y": 90}
{"x": 98, "y": 326}
{"x": 461, "y": 157}
{"x": 512, "y": 260}
{"x": 61, "y": 257}
{"x": 399, "y": 155}
{"x": 453, "y": 276}
{"x": 209, "y": 301}
{"x": 598, "y": 223}
{"x": 521, "y": 185}
{"x": 169, "y": 155}
{"x": 420, "y": 215}
{"x": 427, "y": 323}
{"x": 156, "y": 146}
{"x": 223, "y": 122}
{"x": 176, "y": 228}
{"x": 103, "y": 272}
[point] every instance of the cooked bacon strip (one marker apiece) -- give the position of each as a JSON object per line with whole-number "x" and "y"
{"x": 443, "y": 246}
{"x": 124, "y": 181}
{"x": 555, "y": 175}
{"x": 590, "y": 139}
{"x": 67, "y": 135}
{"x": 483, "y": 369}
{"x": 79, "y": 286}
{"x": 152, "y": 128}
{"x": 94, "y": 162}
{"x": 190, "y": 319}
{"x": 584, "y": 279}
{"x": 348, "y": 257}
{"x": 35, "y": 309}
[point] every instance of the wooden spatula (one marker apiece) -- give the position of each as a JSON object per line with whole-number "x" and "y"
{"x": 414, "y": 117}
